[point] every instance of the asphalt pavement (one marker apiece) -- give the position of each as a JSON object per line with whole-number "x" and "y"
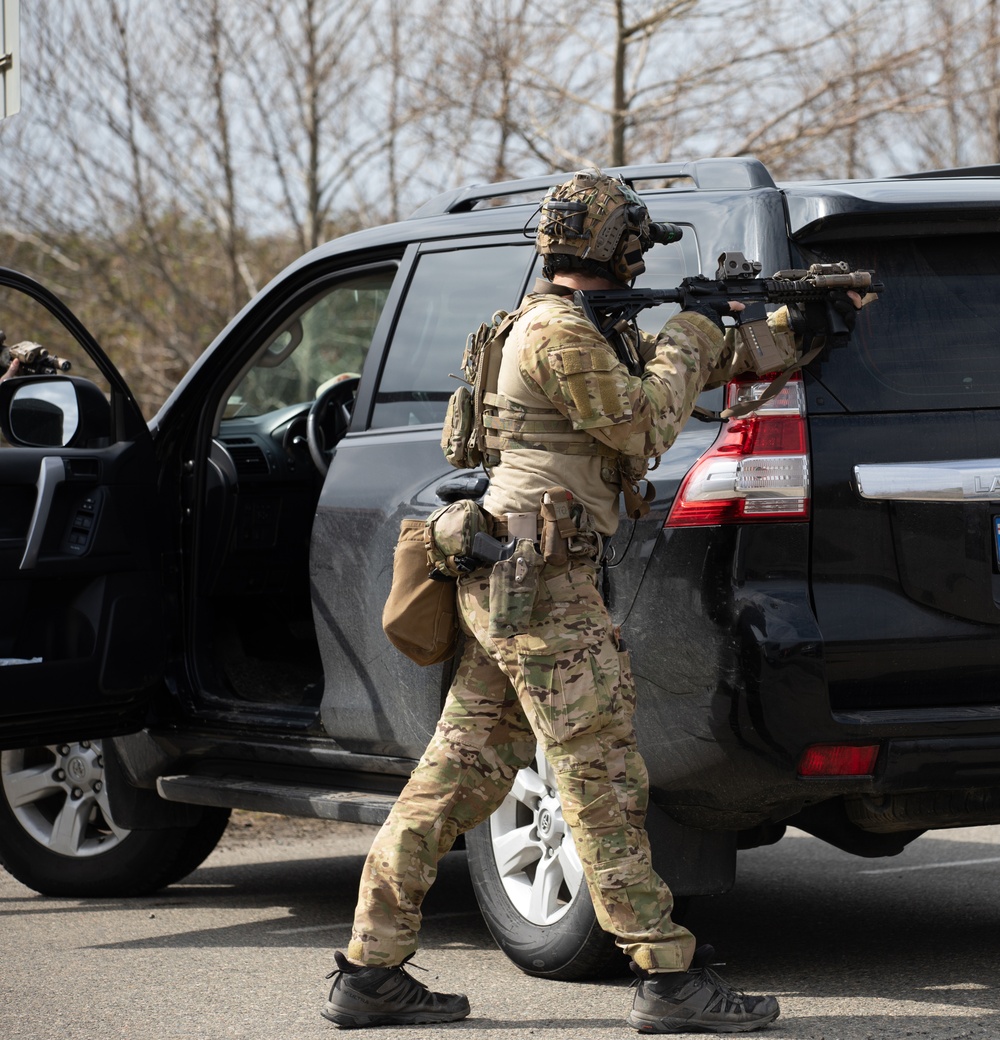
{"x": 855, "y": 949}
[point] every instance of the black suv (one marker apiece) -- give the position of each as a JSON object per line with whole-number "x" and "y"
{"x": 192, "y": 606}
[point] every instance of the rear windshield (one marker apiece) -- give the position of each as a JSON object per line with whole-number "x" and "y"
{"x": 933, "y": 339}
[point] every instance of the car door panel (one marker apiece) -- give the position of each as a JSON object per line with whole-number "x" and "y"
{"x": 376, "y": 700}
{"x": 82, "y": 596}
{"x": 82, "y": 634}
{"x": 365, "y": 705}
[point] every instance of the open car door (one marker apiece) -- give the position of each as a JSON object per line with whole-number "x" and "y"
{"x": 81, "y": 616}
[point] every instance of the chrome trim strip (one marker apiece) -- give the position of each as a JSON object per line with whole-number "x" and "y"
{"x": 959, "y": 480}
{"x": 51, "y": 471}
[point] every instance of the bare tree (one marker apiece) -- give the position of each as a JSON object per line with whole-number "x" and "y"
{"x": 966, "y": 56}
{"x": 157, "y": 179}
{"x": 312, "y": 106}
{"x": 992, "y": 62}
{"x": 482, "y": 115}
{"x": 152, "y": 144}
{"x": 102, "y": 101}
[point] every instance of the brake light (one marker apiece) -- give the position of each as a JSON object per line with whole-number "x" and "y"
{"x": 758, "y": 469}
{"x": 838, "y": 760}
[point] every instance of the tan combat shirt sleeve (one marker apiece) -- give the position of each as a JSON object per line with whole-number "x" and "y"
{"x": 733, "y": 360}
{"x": 577, "y": 370}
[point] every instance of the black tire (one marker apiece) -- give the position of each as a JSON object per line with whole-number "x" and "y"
{"x": 58, "y": 838}
{"x": 536, "y": 905}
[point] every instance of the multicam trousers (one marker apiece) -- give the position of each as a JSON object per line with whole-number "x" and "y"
{"x": 565, "y": 684}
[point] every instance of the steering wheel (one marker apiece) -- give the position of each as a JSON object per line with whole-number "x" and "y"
{"x": 329, "y": 417}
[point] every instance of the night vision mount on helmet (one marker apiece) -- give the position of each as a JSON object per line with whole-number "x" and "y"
{"x": 599, "y": 225}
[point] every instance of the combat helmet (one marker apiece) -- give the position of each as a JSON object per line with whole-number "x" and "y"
{"x": 596, "y": 223}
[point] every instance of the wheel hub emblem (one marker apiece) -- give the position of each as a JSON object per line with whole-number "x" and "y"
{"x": 545, "y": 821}
{"x": 76, "y": 768}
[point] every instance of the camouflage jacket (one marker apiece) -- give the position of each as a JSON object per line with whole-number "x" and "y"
{"x": 572, "y": 415}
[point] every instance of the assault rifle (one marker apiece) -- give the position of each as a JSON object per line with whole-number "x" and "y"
{"x": 34, "y": 358}
{"x": 812, "y": 291}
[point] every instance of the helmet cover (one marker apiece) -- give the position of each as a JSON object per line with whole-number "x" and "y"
{"x": 599, "y": 221}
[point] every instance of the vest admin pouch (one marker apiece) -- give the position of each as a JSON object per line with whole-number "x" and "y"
{"x": 420, "y": 617}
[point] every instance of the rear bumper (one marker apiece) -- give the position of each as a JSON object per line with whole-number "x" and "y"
{"x": 940, "y": 763}
{"x": 732, "y": 687}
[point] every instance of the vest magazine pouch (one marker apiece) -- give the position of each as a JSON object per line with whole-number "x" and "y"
{"x": 771, "y": 351}
{"x": 458, "y": 440}
{"x": 420, "y": 617}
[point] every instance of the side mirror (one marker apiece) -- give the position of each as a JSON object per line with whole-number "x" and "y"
{"x": 53, "y": 412}
{"x": 44, "y": 416}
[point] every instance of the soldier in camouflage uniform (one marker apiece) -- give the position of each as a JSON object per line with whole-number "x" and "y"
{"x": 566, "y": 413}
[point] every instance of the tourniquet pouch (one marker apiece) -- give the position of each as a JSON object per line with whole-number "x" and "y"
{"x": 513, "y": 588}
{"x": 420, "y": 616}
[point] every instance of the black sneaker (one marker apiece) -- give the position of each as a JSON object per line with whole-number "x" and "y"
{"x": 376, "y": 996}
{"x": 696, "y": 1001}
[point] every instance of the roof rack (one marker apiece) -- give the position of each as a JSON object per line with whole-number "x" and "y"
{"x": 733, "y": 174}
{"x": 958, "y": 171}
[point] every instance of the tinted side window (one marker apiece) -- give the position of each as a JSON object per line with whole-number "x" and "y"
{"x": 326, "y": 338}
{"x": 449, "y": 295}
{"x": 930, "y": 342}
{"x": 666, "y": 267}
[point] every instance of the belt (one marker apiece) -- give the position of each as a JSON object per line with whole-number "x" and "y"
{"x": 601, "y": 553}
{"x": 500, "y": 530}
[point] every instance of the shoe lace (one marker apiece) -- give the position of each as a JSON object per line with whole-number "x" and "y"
{"x": 703, "y": 966}
{"x": 722, "y": 988}
{"x": 402, "y": 967}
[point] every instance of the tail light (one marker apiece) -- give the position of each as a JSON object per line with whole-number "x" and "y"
{"x": 757, "y": 470}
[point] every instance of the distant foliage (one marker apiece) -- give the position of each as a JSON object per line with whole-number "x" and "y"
{"x": 171, "y": 156}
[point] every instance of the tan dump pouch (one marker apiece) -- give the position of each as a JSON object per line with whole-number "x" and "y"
{"x": 420, "y": 616}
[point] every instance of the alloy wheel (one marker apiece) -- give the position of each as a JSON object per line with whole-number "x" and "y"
{"x": 58, "y": 795}
{"x": 534, "y": 850}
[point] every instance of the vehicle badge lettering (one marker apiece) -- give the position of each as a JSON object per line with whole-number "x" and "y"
{"x": 987, "y": 486}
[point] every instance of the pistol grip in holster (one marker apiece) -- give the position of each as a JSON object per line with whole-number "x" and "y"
{"x": 513, "y": 588}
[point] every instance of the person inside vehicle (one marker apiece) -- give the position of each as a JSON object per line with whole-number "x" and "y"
{"x": 568, "y": 419}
